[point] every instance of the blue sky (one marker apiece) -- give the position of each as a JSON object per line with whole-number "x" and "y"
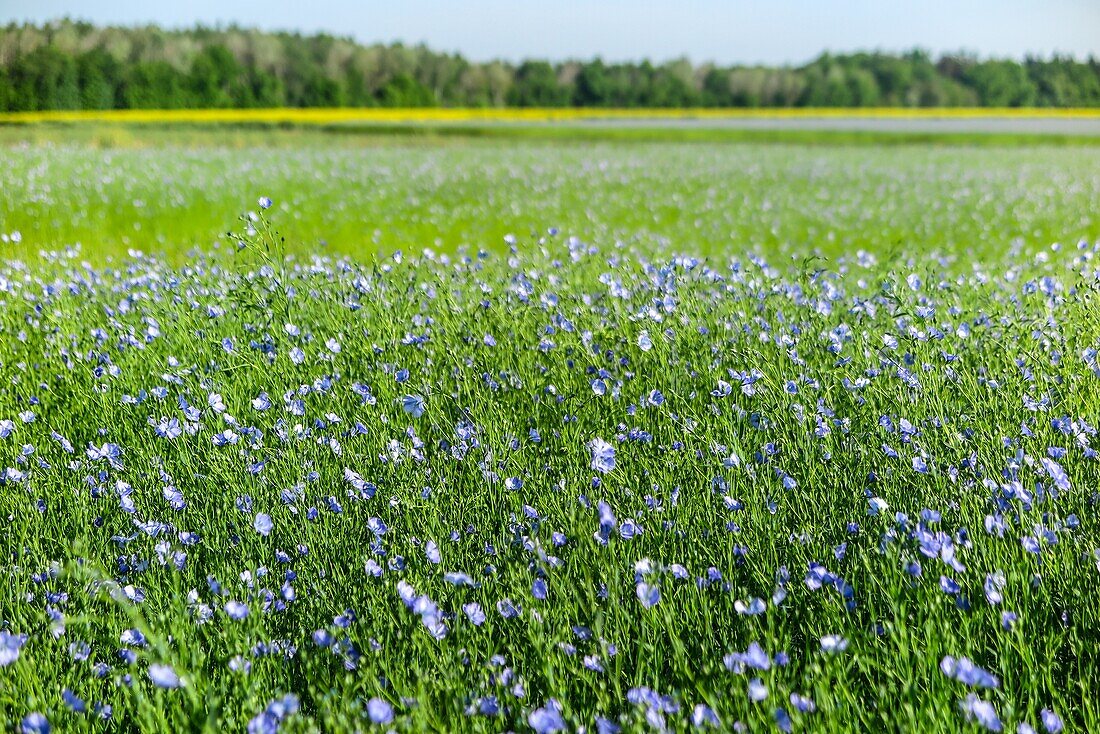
{"x": 726, "y": 31}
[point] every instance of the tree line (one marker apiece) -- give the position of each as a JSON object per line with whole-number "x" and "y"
{"x": 71, "y": 65}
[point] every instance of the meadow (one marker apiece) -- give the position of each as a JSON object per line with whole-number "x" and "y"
{"x": 305, "y": 431}
{"x": 165, "y": 189}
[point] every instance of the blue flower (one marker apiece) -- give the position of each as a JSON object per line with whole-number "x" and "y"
{"x": 1056, "y": 473}
{"x": 262, "y": 524}
{"x": 648, "y": 594}
{"x": 269, "y": 720}
{"x": 603, "y": 455}
{"x": 606, "y": 726}
{"x": 548, "y": 719}
{"x": 431, "y": 550}
{"x": 9, "y": 647}
{"x": 507, "y": 609}
{"x": 803, "y": 704}
{"x": 163, "y": 676}
{"x": 981, "y": 711}
{"x": 379, "y": 711}
{"x": 755, "y": 606}
{"x": 74, "y": 702}
{"x": 1052, "y": 722}
{"x": 236, "y": 610}
{"x": 474, "y": 613}
{"x": 413, "y": 405}
{"x": 966, "y": 672}
{"x": 703, "y": 715}
{"x": 755, "y": 657}
{"x": 35, "y": 723}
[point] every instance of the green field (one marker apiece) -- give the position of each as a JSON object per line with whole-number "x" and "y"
{"x": 521, "y": 433}
{"x": 162, "y": 190}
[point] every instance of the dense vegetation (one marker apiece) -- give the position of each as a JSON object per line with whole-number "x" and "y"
{"x": 762, "y": 450}
{"x": 341, "y": 195}
{"x": 75, "y": 65}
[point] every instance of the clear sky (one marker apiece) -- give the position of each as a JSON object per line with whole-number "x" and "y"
{"x": 726, "y": 31}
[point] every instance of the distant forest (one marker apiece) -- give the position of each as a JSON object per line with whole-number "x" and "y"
{"x": 70, "y": 65}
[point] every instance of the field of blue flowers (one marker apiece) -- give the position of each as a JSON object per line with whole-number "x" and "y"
{"x": 552, "y": 485}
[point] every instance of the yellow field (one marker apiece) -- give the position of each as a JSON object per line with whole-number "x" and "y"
{"x": 319, "y": 116}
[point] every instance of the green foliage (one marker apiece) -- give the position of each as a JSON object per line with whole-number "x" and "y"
{"x": 1002, "y": 84}
{"x": 44, "y": 79}
{"x": 536, "y": 85}
{"x": 404, "y": 91}
{"x": 99, "y": 78}
{"x": 72, "y": 65}
{"x": 153, "y": 85}
{"x": 214, "y": 79}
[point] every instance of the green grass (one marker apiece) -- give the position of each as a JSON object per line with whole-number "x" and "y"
{"x": 958, "y": 338}
{"x": 353, "y": 195}
{"x": 242, "y": 133}
{"x": 712, "y": 135}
